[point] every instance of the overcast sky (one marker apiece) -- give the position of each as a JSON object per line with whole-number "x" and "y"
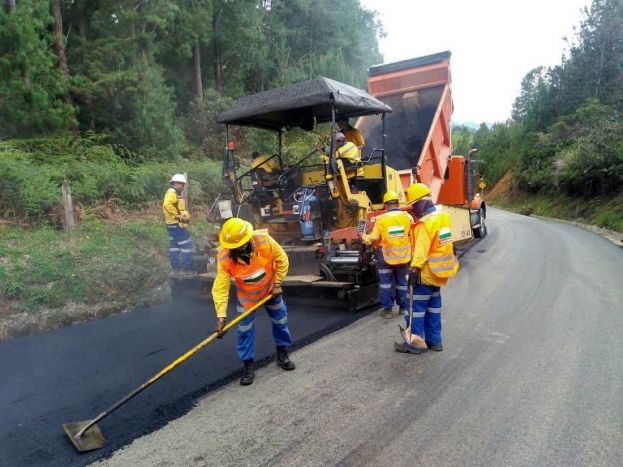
{"x": 494, "y": 43}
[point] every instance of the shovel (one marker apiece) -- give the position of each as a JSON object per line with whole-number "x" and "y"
{"x": 87, "y": 436}
{"x": 411, "y": 339}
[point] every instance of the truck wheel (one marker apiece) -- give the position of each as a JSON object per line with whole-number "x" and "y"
{"x": 481, "y": 230}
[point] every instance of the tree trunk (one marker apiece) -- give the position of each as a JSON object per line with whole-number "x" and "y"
{"x": 218, "y": 78}
{"x": 83, "y": 30}
{"x": 197, "y": 64}
{"x": 59, "y": 46}
{"x": 82, "y": 20}
{"x": 9, "y": 5}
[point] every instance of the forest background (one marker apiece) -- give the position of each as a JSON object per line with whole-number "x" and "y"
{"x": 116, "y": 95}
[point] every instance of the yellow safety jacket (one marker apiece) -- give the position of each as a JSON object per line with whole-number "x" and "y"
{"x": 262, "y": 162}
{"x": 432, "y": 249}
{"x": 354, "y": 136}
{"x": 173, "y": 205}
{"x": 267, "y": 268}
{"x": 348, "y": 151}
{"x": 392, "y": 232}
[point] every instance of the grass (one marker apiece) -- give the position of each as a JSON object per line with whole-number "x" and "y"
{"x": 602, "y": 212}
{"x": 118, "y": 262}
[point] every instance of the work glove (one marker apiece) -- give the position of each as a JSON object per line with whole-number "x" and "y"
{"x": 277, "y": 291}
{"x": 220, "y": 324}
{"x": 414, "y": 276}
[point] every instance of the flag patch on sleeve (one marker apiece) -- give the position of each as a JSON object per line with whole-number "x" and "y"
{"x": 445, "y": 235}
{"x": 396, "y": 231}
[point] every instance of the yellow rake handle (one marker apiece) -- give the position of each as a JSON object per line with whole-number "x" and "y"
{"x": 172, "y": 365}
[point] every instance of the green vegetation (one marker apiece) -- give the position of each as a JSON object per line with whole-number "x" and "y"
{"x": 115, "y": 96}
{"x": 151, "y": 76}
{"x": 33, "y": 171}
{"x": 566, "y": 131}
{"x": 606, "y": 213}
{"x": 565, "y": 139}
{"x": 103, "y": 267}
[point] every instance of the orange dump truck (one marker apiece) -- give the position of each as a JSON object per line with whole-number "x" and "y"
{"x": 418, "y": 142}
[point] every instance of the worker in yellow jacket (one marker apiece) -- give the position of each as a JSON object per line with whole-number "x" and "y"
{"x": 344, "y": 149}
{"x": 258, "y": 265}
{"x": 176, "y": 218}
{"x": 432, "y": 264}
{"x": 351, "y": 133}
{"x": 268, "y": 163}
{"x": 390, "y": 235}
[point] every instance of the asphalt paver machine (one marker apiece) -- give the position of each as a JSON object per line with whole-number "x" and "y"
{"x": 316, "y": 210}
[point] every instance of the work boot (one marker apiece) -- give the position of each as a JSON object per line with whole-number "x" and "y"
{"x": 406, "y": 348}
{"x": 403, "y": 312}
{"x": 435, "y": 347}
{"x": 283, "y": 360}
{"x": 386, "y": 313}
{"x": 248, "y": 373}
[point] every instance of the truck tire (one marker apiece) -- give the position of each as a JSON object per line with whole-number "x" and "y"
{"x": 481, "y": 230}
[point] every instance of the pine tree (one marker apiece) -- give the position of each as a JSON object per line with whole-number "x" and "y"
{"x": 31, "y": 85}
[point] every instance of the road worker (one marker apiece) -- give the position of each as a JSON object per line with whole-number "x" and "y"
{"x": 177, "y": 218}
{"x": 393, "y": 253}
{"x": 433, "y": 262}
{"x": 351, "y": 133}
{"x": 268, "y": 163}
{"x": 258, "y": 265}
{"x": 345, "y": 150}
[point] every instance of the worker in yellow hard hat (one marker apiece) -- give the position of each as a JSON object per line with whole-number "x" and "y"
{"x": 270, "y": 164}
{"x": 432, "y": 264}
{"x": 351, "y": 133}
{"x": 176, "y": 218}
{"x": 258, "y": 265}
{"x": 390, "y": 235}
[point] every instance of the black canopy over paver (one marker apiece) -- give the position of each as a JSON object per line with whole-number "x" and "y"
{"x": 300, "y": 104}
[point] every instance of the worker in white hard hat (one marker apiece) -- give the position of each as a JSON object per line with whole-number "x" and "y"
{"x": 177, "y": 218}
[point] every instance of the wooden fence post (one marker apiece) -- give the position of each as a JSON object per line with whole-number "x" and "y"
{"x": 68, "y": 207}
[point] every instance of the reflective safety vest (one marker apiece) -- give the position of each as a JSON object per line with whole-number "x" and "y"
{"x": 394, "y": 227}
{"x": 254, "y": 280}
{"x": 349, "y": 152}
{"x": 441, "y": 260}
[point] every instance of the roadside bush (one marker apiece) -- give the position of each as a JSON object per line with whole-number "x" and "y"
{"x": 33, "y": 172}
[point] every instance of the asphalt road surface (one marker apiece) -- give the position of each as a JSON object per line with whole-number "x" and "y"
{"x": 531, "y": 374}
{"x": 75, "y": 373}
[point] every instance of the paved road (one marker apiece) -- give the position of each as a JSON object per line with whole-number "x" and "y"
{"x": 531, "y": 374}
{"x": 74, "y": 373}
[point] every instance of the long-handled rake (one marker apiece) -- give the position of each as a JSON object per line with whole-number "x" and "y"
{"x": 87, "y": 436}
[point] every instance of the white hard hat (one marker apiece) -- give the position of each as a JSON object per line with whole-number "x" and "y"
{"x": 178, "y": 178}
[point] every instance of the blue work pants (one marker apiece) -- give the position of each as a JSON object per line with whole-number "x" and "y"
{"x": 180, "y": 247}
{"x": 426, "y": 313}
{"x": 278, "y": 313}
{"x": 388, "y": 275}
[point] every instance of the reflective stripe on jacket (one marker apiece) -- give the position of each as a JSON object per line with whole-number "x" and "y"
{"x": 349, "y": 152}
{"x": 173, "y": 205}
{"x": 392, "y": 232}
{"x": 267, "y": 267}
{"x": 432, "y": 249}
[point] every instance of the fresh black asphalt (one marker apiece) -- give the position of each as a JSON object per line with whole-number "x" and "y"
{"x": 73, "y": 374}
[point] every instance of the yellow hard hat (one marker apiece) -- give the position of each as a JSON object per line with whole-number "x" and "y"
{"x": 235, "y": 233}
{"x": 417, "y": 191}
{"x": 390, "y": 196}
